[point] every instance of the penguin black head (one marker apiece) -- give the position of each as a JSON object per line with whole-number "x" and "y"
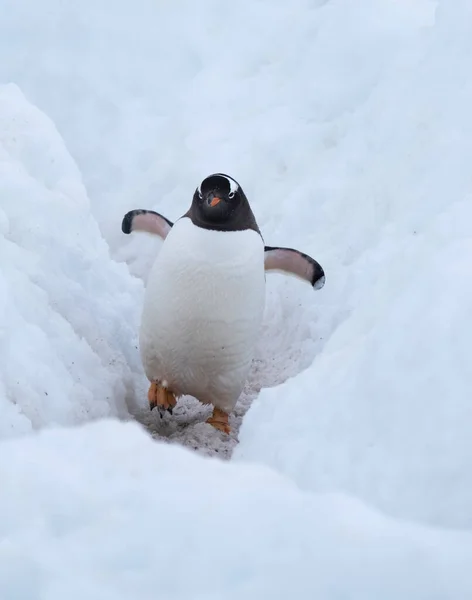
{"x": 220, "y": 203}
{"x": 218, "y": 197}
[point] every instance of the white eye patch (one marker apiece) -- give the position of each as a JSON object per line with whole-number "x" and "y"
{"x": 233, "y": 185}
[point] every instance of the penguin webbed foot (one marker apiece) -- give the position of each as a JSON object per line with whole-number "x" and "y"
{"x": 161, "y": 398}
{"x": 220, "y": 420}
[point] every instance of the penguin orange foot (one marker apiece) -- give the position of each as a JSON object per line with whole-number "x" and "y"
{"x": 160, "y": 397}
{"x": 220, "y": 420}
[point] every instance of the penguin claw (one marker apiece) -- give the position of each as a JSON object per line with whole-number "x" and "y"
{"x": 220, "y": 420}
{"x": 162, "y": 411}
{"x": 161, "y": 398}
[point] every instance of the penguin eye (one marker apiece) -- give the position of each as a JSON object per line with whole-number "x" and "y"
{"x": 231, "y": 195}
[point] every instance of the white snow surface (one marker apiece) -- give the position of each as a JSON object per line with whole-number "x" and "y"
{"x": 104, "y": 512}
{"x": 385, "y": 410}
{"x": 67, "y": 311}
{"x": 348, "y": 125}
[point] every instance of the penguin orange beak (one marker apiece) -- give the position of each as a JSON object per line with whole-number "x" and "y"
{"x": 215, "y": 201}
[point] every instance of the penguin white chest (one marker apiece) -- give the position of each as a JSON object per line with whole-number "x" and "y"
{"x": 202, "y": 313}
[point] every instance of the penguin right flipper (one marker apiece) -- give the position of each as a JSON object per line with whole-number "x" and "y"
{"x": 146, "y": 220}
{"x": 294, "y": 262}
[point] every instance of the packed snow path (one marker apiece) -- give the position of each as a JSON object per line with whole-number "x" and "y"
{"x": 186, "y": 426}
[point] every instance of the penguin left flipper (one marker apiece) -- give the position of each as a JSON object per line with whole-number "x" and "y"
{"x": 146, "y": 220}
{"x": 294, "y": 262}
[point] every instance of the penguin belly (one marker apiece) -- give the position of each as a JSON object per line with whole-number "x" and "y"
{"x": 202, "y": 313}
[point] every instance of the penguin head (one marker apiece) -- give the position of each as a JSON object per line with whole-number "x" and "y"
{"x": 218, "y": 199}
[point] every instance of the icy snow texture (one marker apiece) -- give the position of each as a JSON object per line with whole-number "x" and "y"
{"x": 385, "y": 411}
{"x": 67, "y": 313}
{"x": 349, "y": 126}
{"x": 102, "y": 512}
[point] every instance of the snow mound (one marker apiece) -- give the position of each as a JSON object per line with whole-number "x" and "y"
{"x": 385, "y": 410}
{"x": 102, "y": 511}
{"x": 68, "y": 317}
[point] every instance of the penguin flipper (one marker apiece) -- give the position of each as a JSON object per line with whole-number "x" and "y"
{"x": 146, "y": 220}
{"x": 294, "y": 262}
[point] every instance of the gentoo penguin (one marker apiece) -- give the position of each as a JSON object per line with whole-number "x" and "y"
{"x": 205, "y": 296}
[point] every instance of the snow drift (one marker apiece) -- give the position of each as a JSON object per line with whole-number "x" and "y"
{"x": 385, "y": 411}
{"x": 104, "y": 512}
{"x": 68, "y": 317}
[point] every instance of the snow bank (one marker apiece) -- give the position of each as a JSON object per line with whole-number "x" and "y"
{"x": 68, "y": 314}
{"x": 102, "y": 511}
{"x": 385, "y": 410}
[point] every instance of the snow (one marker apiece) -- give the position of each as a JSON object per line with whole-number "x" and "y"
{"x": 348, "y": 126}
{"x": 104, "y": 512}
{"x": 384, "y": 411}
{"x": 67, "y": 312}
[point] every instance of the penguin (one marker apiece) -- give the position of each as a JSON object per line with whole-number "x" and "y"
{"x": 205, "y": 297}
